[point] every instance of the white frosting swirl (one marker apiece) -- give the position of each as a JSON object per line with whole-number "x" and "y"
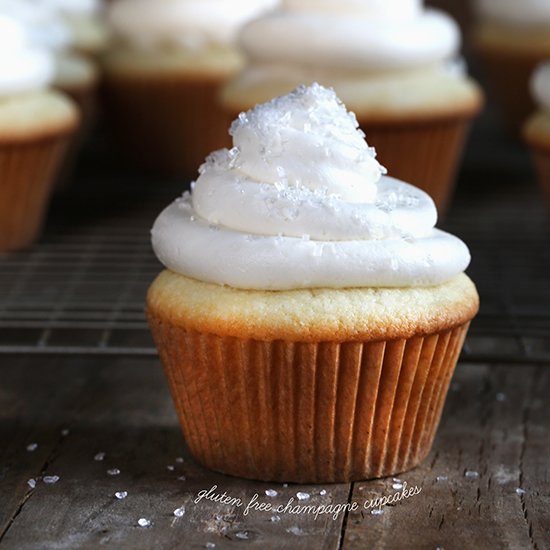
{"x": 181, "y": 23}
{"x": 23, "y": 67}
{"x": 76, "y": 7}
{"x": 300, "y": 202}
{"x": 515, "y": 12}
{"x": 370, "y": 35}
{"x": 43, "y": 23}
{"x": 540, "y": 85}
{"x": 403, "y": 9}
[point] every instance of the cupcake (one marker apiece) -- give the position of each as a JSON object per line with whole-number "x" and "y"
{"x": 512, "y": 38}
{"x": 75, "y": 74}
{"x": 35, "y": 127}
{"x": 536, "y": 130}
{"x": 84, "y": 18}
{"x": 162, "y": 76}
{"x": 310, "y": 316}
{"x": 393, "y": 63}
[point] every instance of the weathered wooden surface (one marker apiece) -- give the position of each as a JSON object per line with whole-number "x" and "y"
{"x": 496, "y": 426}
{"x": 123, "y": 408}
{"x": 493, "y": 444}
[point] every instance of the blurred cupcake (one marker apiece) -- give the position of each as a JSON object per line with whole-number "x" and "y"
{"x": 84, "y": 18}
{"x": 512, "y": 37}
{"x": 35, "y": 127}
{"x": 310, "y": 317}
{"x": 75, "y": 74}
{"x": 163, "y": 73}
{"x": 537, "y": 128}
{"x": 392, "y": 62}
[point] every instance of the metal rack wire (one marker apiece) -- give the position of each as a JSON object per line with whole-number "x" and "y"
{"x": 81, "y": 289}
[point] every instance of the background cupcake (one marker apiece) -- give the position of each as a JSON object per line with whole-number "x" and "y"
{"x": 35, "y": 127}
{"x": 537, "y": 128}
{"x": 512, "y": 38}
{"x": 393, "y": 63}
{"x": 84, "y": 18}
{"x": 311, "y": 316}
{"x": 75, "y": 74}
{"x": 163, "y": 74}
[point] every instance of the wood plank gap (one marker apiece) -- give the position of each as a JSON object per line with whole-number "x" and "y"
{"x": 345, "y": 520}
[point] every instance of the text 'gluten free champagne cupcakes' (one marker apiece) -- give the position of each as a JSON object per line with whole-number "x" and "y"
{"x": 310, "y": 316}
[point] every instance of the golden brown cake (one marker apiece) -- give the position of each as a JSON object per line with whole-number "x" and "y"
{"x": 321, "y": 385}
{"x": 35, "y": 126}
{"x": 35, "y": 129}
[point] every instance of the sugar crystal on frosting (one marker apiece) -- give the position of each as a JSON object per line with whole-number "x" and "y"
{"x": 299, "y": 202}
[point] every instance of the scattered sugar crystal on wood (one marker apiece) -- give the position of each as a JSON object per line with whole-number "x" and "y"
{"x": 100, "y": 456}
{"x": 65, "y": 432}
{"x": 302, "y": 496}
{"x": 471, "y": 474}
{"x": 179, "y": 460}
{"x": 520, "y": 491}
{"x": 377, "y": 511}
{"x": 323, "y": 492}
{"x": 32, "y": 447}
{"x": 397, "y": 485}
{"x": 31, "y": 483}
{"x": 295, "y": 530}
{"x": 179, "y": 512}
{"x": 113, "y": 472}
{"x": 242, "y": 535}
{"x": 50, "y": 480}
{"x": 144, "y": 522}
{"x": 275, "y": 519}
{"x": 210, "y": 545}
{"x": 441, "y": 478}
{"x": 271, "y": 492}
{"x": 120, "y": 495}
{"x": 170, "y": 468}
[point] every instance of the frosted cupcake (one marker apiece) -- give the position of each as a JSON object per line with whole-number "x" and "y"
{"x": 537, "y": 128}
{"x": 35, "y": 126}
{"x": 84, "y": 18}
{"x": 163, "y": 74}
{"x": 513, "y": 38}
{"x": 393, "y": 62}
{"x": 75, "y": 74}
{"x": 310, "y": 316}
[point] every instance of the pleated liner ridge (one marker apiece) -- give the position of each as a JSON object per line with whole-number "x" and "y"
{"x": 27, "y": 174}
{"x": 541, "y": 158}
{"x": 424, "y": 153}
{"x": 508, "y": 76}
{"x": 170, "y": 124}
{"x": 308, "y": 413}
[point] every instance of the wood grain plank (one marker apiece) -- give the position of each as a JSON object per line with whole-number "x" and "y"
{"x": 30, "y": 406}
{"x": 493, "y": 443}
{"x": 123, "y": 409}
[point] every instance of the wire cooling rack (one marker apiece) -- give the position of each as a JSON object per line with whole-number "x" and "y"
{"x": 81, "y": 289}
